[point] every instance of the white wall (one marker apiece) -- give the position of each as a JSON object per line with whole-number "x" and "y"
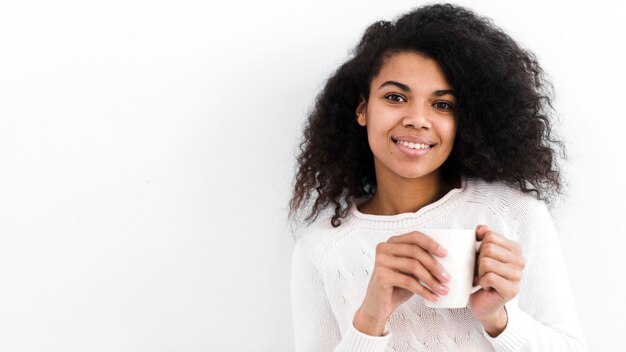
{"x": 147, "y": 150}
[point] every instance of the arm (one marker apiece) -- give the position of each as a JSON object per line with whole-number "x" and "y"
{"x": 315, "y": 326}
{"x": 543, "y": 316}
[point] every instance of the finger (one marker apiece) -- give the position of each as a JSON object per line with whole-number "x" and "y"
{"x": 415, "y": 252}
{"x": 493, "y": 237}
{"x": 506, "y": 289}
{"x": 501, "y": 254}
{"x": 416, "y": 269}
{"x": 408, "y": 282}
{"x": 489, "y": 265}
{"x": 421, "y": 240}
{"x": 481, "y": 230}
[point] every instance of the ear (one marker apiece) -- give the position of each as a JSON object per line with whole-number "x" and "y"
{"x": 360, "y": 112}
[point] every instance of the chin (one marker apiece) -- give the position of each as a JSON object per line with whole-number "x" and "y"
{"x": 415, "y": 174}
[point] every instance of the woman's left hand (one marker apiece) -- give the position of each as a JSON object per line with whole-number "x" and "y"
{"x": 499, "y": 271}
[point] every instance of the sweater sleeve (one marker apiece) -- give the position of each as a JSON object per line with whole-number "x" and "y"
{"x": 543, "y": 315}
{"x": 315, "y": 326}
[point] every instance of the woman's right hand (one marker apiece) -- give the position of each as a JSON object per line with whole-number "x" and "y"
{"x": 401, "y": 263}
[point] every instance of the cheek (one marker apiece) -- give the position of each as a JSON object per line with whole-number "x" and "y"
{"x": 449, "y": 131}
{"x": 374, "y": 138}
{"x": 378, "y": 140}
{"x": 376, "y": 130}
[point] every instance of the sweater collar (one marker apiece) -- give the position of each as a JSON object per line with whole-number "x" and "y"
{"x": 452, "y": 197}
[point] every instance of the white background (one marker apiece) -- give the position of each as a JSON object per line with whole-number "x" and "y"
{"x": 147, "y": 153}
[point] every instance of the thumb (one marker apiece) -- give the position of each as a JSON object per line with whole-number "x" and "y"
{"x": 481, "y": 230}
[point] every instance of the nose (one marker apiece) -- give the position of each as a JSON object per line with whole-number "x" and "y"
{"x": 417, "y": 117}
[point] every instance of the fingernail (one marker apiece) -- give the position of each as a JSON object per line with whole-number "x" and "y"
{"x": 444, "y": 289}
{"x": 445, "y": 275}
{"x": 434, "y": 298}
{"x": 442, "y": 250}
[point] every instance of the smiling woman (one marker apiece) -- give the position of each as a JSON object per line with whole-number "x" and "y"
{"x": 439, "y": 121}
{"x": 410, "y": 126}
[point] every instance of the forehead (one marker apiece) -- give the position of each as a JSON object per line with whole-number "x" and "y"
{"x": 412, "y": 69}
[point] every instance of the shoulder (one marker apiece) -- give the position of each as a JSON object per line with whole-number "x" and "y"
{"x": 312, "y": 240}
{"x": 523, "y": 215}
{"x": 504, "y": 197}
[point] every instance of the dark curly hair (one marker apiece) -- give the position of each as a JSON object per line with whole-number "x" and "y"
{"x": 503, "y": 111}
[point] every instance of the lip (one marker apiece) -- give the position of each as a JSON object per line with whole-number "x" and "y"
{"x": 413, "y": 139}
{"x": 413, "y": 152}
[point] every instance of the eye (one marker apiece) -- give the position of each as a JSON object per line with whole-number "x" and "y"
{"x": 443, "y": 105}
{"x": 395, "y": 98}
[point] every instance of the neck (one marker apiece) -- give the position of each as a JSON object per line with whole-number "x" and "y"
{"x": 396, "y": 196}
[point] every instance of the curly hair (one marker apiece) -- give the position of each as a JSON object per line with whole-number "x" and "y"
{"x": 503, "y": 111}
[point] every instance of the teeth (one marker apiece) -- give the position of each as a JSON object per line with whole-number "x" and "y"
{"x": 414, "y": 145}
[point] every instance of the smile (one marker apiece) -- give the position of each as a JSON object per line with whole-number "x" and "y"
{"x": 414, "y": 145}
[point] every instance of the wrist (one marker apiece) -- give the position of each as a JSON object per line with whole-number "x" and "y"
{"x": 369, "y": 324}
{"x": 496, "y": 324}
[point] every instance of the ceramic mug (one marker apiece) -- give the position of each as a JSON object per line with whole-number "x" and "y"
{"x": 462, "y": 247}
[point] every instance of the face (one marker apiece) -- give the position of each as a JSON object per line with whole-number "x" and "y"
{"x": 409, "y": 116}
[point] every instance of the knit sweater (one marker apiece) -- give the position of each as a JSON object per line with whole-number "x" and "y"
{"x": 332, "y": 266}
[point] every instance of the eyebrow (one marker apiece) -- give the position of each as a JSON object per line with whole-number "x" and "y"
{"x": 404, "y": 87}
{"x": 443, "y": 92}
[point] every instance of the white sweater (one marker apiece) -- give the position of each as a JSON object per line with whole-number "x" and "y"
{"x": 332, "y": 267}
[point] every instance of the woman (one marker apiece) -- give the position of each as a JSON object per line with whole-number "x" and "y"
{"x": 439, "y": 120}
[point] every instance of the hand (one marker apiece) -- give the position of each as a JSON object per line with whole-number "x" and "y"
{"x": 400, "y": 264}
{"x": 499, "y": 271}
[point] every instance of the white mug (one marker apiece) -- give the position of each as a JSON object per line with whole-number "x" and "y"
{"x": 459, "y": 263}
